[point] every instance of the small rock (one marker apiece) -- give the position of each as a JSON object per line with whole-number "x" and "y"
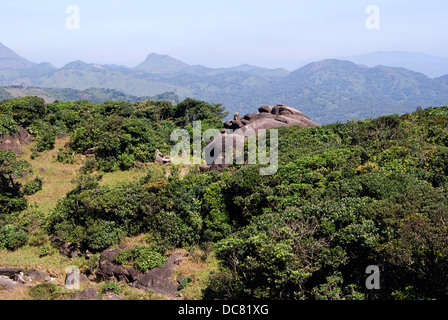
{"x": 8, "y": 284}
{"x": 69, "y": 249}
{"x": 266, "y": 109}
{"x": 87, "y": 294}
{"x": 62, "y": 135}
{"x": 38, "y": 276}
{"x": 9, "y": 272}
{"x": 19, "y": 278}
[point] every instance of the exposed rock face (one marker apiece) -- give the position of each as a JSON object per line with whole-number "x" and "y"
{"x": 69, "y": 249}
{"x": 15, "y": 278}
{"x": 37, "y": 276}
{"x": 9, "y": 284}
{"x": 15, "y": 142}
{"x": 270, "y": 117}
{"x": 236, "y": 131}
{"x": 9, "y": 272}
{"x": 87, "y": 294}
{"x": 158, "y": 280}
{"x": 110, "y": 270}
{"x": 161, "y": 158}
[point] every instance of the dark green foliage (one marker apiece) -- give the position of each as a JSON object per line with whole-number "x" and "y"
{"x": 45, "y": 291}
{"x": 121, "y": 133}
{"x": 11, "y": 199}
{"x": 45, "y": 139}
{"x": 112, "y": 287}
{"x": 191, "y": 110}
{"x": 7, "y": 124}
{"x": 184, "y": 283}
{"x": 12, "y": 237}
{"x": 272, "y": 259}
{"x": 142, "y": 258}
{"x": 33, "y": 186}
{"x": 374, "y": 192}
{"x": 24, "y": 110}
{"x": 97, "y": 217}
{"x": 345, "y": 196}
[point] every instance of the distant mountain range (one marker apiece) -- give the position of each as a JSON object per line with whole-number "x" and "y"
{"x": 327, "y": 91}
{"x": 429, "y": 65}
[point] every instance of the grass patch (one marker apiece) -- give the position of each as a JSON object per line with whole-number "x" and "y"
{"x": 53, "y": 264}
{"x": 56, "y": 176}
{"x": 118, "y": 177}
{"x": 197, "y": 269}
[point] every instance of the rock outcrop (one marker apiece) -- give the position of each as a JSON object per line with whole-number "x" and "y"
{"x": 159, "y": 280}
{"x": 15, "y": 278}
{"x": 160, "y": 158}
{"x": 240, "y": 128}
{"x": 15, "y": 142}
{"x": 109, "y": 270}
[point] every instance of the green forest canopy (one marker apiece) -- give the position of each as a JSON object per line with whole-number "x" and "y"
{"x": 346, "y": 196}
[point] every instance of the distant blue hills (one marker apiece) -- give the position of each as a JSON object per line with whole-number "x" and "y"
{"x": 330, "y": 90}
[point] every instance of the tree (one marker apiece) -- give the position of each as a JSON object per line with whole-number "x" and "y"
{"x": 191, "y": 110}
{"x": 7, "y": 124}
{"x": 24, "y": 110}
{"x": 11, "y": 198}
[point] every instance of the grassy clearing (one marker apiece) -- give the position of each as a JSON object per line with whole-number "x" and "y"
{"x": 117, "y": 177}
{"x": 57, "y": 177}
{"x": 53, "y": 264}
{"x": 197, "y": 267}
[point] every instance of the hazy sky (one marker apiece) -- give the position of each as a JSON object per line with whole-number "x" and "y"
{"x": 220, "y": 33}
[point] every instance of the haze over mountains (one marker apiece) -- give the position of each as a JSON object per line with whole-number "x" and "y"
{"x": 429, "y": 65}
{"x": 328, "y": 91}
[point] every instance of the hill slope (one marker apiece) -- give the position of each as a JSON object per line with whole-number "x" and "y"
{"x": 164, "y": 64}
{"x": 95, "y": 95}
{"x": 11, "y": 60}
{"x": 345, "y": 196}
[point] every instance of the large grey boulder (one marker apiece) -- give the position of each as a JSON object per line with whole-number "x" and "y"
{"x": 109, "y": 270}
{"x": 87, "y": 294}
{"x": 37, "y": 276}
{"x": 10, "y": 272}
{"x": 236, "y": 131}
{"x": 159, "y": 280}
{"x": 9, "y": 284}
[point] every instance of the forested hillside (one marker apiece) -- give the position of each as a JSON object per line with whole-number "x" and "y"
{"x": 95, "y": 95}
{"x": 345, "y": 196}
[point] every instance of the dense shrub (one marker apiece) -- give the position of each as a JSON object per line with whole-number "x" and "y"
{"x": 12, "y": 237}
{"x": 142, "y": 258}
{"x": 44, "y": 291}
{"x": 11, "y": 198}
{"x": 24, "y": 110}
{"x": 33, "y": 186}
